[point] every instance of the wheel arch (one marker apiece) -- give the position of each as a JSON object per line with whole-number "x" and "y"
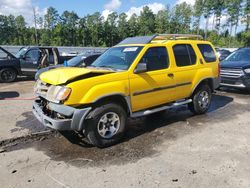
{"x": 207, "y": 81}
{"x": 117, "y": 98}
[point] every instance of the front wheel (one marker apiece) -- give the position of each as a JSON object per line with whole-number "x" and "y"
{"x": 106, "y": 126}
{"x": 201, "y": 100}
{"x": 7, "y": 75}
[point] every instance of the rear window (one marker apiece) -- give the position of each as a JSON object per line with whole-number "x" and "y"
{"x": 207, "y": 52}
{"x": 184, "y": 55}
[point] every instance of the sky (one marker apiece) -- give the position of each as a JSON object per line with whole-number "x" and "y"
{"x": 84, "y": 7}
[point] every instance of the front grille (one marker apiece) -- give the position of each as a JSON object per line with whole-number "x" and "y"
{"x": 231, "y": 73}
{"x": 41, "y": 88}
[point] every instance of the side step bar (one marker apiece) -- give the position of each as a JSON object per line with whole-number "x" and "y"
{"x": 147, "y": 112}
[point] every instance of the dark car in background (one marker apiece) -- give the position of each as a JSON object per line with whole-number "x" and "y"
{"x": 27, "y": 61}
{"x": 223, "y": 54}
{"x": 82, "y": 60}
{"x": 235, "y": 69}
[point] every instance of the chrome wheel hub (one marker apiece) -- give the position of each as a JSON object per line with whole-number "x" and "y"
{"x": 204, "y": 99}
{"x": 108, "y": 125}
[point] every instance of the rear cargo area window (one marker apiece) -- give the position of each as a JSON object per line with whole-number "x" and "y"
{"x": 207, "y": 52}
{"x": 184, "y": 55}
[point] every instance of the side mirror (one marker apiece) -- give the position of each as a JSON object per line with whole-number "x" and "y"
{"x": 141, "y": 68}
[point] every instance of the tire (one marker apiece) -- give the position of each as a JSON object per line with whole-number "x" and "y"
{"x": 201, "y": 100}
{"x": 106, "y": 126}
{"x": 7, "y": 75}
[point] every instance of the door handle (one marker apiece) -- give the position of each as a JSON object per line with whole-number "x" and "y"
{"x": 171, "y": 75}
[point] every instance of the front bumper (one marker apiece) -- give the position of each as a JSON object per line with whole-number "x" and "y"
{"x": 74, "y": 122}
{"x": 241, "y": 82}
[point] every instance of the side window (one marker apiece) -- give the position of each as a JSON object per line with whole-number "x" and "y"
{"x": 32, "y": 55}
{"x": 184, "y": 55}
{"x": 192, "y": 55}
{"x": 156, "y": 58}
{"x": 207, "y": 52}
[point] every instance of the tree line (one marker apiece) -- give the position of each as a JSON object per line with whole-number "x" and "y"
{"x": 217, "y": 20}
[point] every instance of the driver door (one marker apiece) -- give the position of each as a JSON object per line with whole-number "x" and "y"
{"x": 155, "y": 86}
{"x": 30, "y": 62}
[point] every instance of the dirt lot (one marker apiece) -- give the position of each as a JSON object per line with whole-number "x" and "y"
{"x": 171, "y": 149}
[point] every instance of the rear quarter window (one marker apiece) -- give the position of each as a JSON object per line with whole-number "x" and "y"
{"x": 207, "y": 52}
{"x": 184, "y": 55}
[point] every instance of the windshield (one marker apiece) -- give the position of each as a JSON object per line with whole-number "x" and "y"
{"x": 118, "y": 58}
{"x": 240, "y": 55}
{"x": 21, "y": 52}
{"x": 76, "y": 60}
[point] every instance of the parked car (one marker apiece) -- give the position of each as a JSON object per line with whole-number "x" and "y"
{"x": 137, "y": 77}
{"x": 82, "y": 60}
{"x": 27, "y": 61}
{"x": 235, "y": 69}
{"x": 222, "y": 53}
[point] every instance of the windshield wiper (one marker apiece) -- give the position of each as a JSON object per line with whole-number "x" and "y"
{"x": 103, "y": 66}
{"x": 107, "y": 66}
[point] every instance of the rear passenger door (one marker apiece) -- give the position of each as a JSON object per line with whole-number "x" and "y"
{"x": 186, "y": 65}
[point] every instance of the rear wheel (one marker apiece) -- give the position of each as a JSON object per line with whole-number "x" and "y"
{"x": 7, "y": 75}
{"x": 107, "y": 125}
{"x": 201, "y": 100}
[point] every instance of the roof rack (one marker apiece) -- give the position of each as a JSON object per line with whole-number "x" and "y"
{"x": 158, "y": 37}
{"x": 138, "y": 40}
{"x": 177, "y": 36}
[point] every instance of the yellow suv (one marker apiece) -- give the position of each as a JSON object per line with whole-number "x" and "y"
{"x": 137, "y": 77}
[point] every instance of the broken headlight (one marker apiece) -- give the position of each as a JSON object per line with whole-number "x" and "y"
{"x": 58, "y": 94}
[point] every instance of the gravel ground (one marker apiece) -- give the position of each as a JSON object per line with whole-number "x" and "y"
{"x": 169, "y": 149}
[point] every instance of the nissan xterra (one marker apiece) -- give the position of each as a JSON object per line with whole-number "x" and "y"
{"x": 137, "y": 77}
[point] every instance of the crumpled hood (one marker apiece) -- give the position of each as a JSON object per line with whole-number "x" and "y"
{"x": 62, "y": 75}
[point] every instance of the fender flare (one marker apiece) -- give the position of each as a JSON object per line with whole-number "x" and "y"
{"x": 126, "y": 98}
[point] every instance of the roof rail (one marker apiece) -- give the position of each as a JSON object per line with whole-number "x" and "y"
{"x": 138, "y": 40}
{"x": 158, "y": 37}
{"x": 176, "y": 37}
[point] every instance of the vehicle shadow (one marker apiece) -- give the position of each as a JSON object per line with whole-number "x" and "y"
{"x": 141, "y": 126}
{"x": 20, "y": 79}
{"x": 24, "y": 78}
{"x": 8, "y": 94}
{"x": 30, "y": 123}
{"x": 219, "y": 101}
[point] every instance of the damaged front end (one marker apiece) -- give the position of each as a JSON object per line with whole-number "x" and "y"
{"x": 51, "y": 113}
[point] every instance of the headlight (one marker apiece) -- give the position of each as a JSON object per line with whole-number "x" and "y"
{"x": 58, "y": 93}
{"x": 247, "y": 71}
